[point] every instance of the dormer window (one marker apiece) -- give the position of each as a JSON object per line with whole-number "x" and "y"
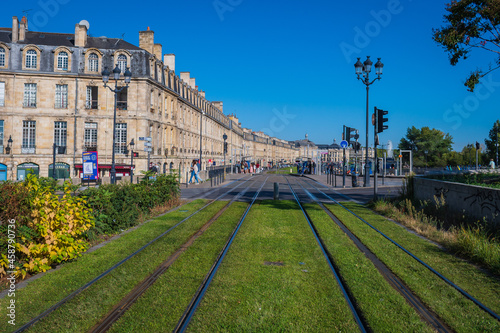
{"x": 31, "y": 59}
{"x": 2, "y": 57}
{"x": 122, "y": 63}
{"x": 62, "y": 61}
{"x": 93, "y": 63}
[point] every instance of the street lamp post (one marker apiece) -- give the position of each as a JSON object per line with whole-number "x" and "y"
{"x": 8, "y": 151}
{"x": 224, "y": 137}
{"x": 363, "y": 71}
{"x": 201, "y": 135}
{"x": 132, "y": 144}
{"x": 116, "y": 90}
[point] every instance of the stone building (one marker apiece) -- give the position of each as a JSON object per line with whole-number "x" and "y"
{"x": 52, "y": 95}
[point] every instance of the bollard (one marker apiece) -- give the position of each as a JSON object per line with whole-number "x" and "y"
{"x": 276, "y": 195}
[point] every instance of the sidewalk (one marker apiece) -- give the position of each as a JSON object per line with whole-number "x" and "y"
{"x": 388, "y": 181}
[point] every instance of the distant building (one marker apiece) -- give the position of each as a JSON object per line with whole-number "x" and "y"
{"x": 51, "y": 92}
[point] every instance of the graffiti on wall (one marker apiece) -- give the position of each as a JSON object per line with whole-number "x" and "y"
{"x": 488, "y": 200}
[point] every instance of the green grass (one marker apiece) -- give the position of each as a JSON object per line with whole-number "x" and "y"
{"x": 85, "y": 309}
{"x": 383, "y": 307}
{"x": 168, "y": 298}
{"x": 459, "y": 313}
{"x": 283, "y": 171}
{"x": 247, "y": 295}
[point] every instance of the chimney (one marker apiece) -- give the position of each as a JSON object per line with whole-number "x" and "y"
{"x": 169, "y": 60}
{"x": 157, "y": 51}
{"x": 185, "y": 77}
{"x": 22, "y": 28}
{"x": 218, "y": 105}
{"x": 192, "y": 83}
{"x": 147, "y": 40}
{"x": 80, "y": 35}
{"x": 15, "y": 29}
{"x": 202, "y": 93}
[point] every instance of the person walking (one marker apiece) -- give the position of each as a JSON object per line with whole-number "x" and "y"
{"x": 194, "y": 172}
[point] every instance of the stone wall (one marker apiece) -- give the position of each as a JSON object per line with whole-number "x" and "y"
{"x": 474, "y": 201}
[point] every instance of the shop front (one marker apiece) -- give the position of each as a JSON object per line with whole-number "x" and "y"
{"x": 26, "y": 168}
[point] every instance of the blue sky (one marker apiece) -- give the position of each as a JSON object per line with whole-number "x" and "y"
{"x": 287, "y": 66}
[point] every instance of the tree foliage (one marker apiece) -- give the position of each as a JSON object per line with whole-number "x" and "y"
{"x": 429, "y": 146}
{"x": 471, "y": 24}
{"x": 492, "y": 140}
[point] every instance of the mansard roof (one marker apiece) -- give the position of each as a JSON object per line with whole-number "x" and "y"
{"x": 68, "y": 40}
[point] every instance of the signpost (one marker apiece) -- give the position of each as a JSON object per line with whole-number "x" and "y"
{"x": 147, "y": 146}
{"x": 90, "y": 166}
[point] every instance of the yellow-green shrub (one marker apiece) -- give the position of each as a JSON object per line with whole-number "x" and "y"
{"x": 58, "y": 224}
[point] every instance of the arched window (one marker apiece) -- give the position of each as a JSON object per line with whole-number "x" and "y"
{"x": 31, "y": 59}
{"x": 122, "y": 63}
{"x": 93, "y": 63}
{"x": 2, "y": 57}
{"x": 62, "y": 61}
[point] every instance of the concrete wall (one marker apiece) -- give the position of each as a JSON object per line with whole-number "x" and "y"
{"x": 474, "y": 201}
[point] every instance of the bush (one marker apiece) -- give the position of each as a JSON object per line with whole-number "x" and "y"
{"x": 117, "y": 207}
{"x": 49, "y": 230}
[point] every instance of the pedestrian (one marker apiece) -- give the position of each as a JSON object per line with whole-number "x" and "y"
{"x": 492, "y": 164}
{"x": 194, "y": 172}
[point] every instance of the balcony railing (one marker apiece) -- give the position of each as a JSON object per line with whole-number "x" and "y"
{"x": 90, "y": 147}
{"x": 92, "y": 105}
{"x": 29, "y": 104}
{"x": 121, "y": 105}
{"x": 28, "y": 149}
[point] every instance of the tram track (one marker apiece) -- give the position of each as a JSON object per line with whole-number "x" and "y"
{"x": 126, "y": 259}
{"x": 360, "y": 321}
{"x": 447, "y": 281}
{"x": 198, "y": 296}
{"x": 426, "y": 314}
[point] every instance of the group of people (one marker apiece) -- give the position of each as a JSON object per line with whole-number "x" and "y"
{"x": 252, "y": 167}
{"x": 194, "y": 170}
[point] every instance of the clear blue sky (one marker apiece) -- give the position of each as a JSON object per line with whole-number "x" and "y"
{"x": 282, "y": 66}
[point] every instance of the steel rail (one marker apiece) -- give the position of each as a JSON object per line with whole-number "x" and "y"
{"x": 121, "y": 307}
{"x": 109, "y": 270}
{"x": 195, "y": 301}
{"x": 427, "y": 315}
{"x": 442, "y": 277}
{"x": 332, "y": 268}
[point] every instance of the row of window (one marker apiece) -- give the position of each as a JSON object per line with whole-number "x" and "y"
{"x": 60, "y": 136}
{"x": 31, "y": 60}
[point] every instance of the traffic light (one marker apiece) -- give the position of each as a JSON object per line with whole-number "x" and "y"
{"x": 136, "y": 154}
{"x": 357, "y": 146}
{"x": 350, "y": 132}
{"x": 380, "y": 120}
{"x": 478, "y": 146}
{"x": 225, "y": 147}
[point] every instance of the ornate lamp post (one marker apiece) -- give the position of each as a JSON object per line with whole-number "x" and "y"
{"x": 224, "y": 137}
{"x": 116, "y": 90}
{"x": 363, "y": 71}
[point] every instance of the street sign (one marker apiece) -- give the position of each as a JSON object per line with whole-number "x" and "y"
{"x": 343, "y": 144}
{"x": 146, "y": 138}
{"x": 90, "y": 162}
{"x": 148, "y": 149}
{"x": 147, "y": 144}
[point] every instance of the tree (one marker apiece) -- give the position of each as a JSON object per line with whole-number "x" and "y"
{"x": 471, "y": 24}
{"x": 428, "y": 145}
{"x": 492, "y": 140}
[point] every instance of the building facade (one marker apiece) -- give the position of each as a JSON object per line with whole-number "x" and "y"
{"x": 52, "y": 98}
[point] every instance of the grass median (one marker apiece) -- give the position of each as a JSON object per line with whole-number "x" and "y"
{"x": 162, "y": 305}
{"x": 383, "y": 307}
{"x": 85, "y": 309}
{"x": 274, "y": 278}
{"x": 459, "y": 313}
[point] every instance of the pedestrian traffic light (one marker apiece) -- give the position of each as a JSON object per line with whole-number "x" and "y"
{"x": 380, "y": 120}
{"x": 478, "y": 146}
